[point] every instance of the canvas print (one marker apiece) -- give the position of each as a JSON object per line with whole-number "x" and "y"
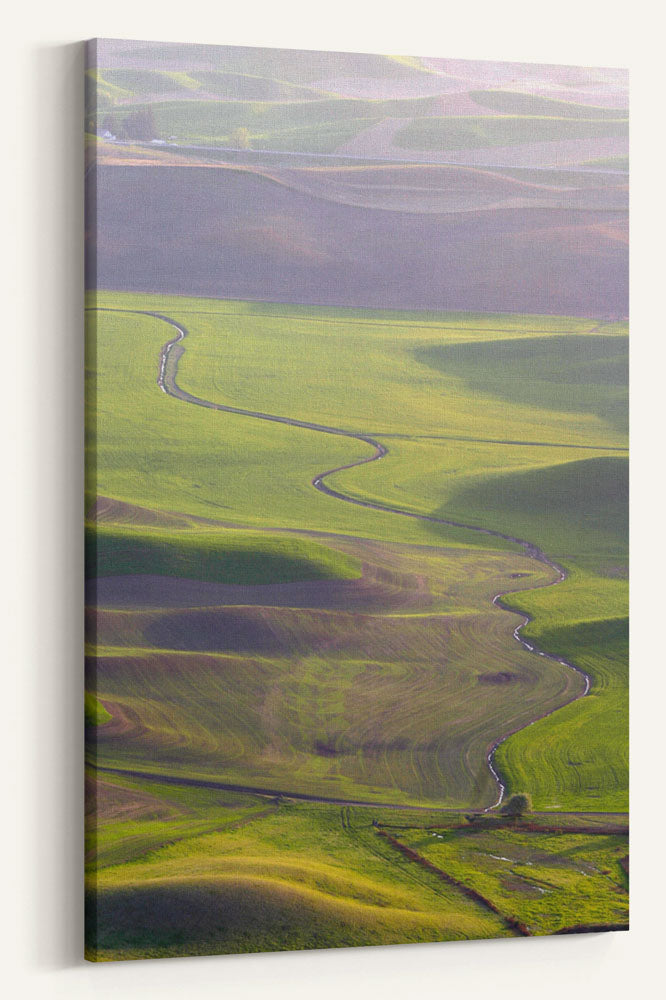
{"x": 356, "y": 508}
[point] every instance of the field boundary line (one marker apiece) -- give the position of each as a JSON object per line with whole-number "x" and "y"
{"x": 512, "y": 922}
{"x": 175, "y": 779}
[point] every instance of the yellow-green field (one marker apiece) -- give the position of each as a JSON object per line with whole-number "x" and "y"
{"x": 392, "y": 694}
{"x": 248, "y": 630}
{"x": 192, "y": 871}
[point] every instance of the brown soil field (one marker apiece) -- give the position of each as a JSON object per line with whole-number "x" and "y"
{"x": 376, "y": 590}
{"x": 382, "y": 141}
{"x": 247, "y": 237}
{"x": 443, "y": 189}
{"x": 556, "y": 154}
{"x": 105, "y": 509}
{"x": 108, "y": 801}
{"x": 280, "y": 632}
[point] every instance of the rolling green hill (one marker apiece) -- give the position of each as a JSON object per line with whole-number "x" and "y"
{"x": 546, "y": 472}
{"x": 224, "y": 557}
{"x": 471, "y": 133}
{"x": 507, "y": 103}
{"x": 355, "y": 577}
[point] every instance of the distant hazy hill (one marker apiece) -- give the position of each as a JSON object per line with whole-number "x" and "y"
{"x": 321, "y": 102}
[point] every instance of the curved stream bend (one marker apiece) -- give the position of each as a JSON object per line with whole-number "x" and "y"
{"x": 171, "y": 353}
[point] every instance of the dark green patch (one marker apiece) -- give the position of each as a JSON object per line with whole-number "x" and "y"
{"x": 574, "y": 374}
{"x": 576, "y": 510}
{"x": 221, "y": 557}
{"x": 508, "y": 103}
{"x": 95, "y": 713}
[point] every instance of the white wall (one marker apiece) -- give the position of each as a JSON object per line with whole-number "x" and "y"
{"x": 40, "y": 456}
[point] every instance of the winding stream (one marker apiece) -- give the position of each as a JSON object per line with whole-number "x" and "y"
{"x": 170, "y": 355}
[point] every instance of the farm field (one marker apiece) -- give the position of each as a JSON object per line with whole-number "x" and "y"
{"x": 186, "y": 518}
{"x": 386, "y": 690}
{"x": 534, "y": 875}
{"x": 513, "y": 249}
{"x": 356, "y": 500}
{"x": 309, "y": 103}
{"x": 254, "y": 633}
{"x": 261, "y": 873}
{"x": 286, "y": 876}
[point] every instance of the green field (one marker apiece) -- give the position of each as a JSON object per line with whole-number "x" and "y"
{"x": 578, "y": 756}
{"x": 507, "y": 103}
{"x": 258, "y": 633}
{"x": 255, "y": 873}
{"x": 295, "y": 104}
{"x": 507, "y": 130}
{"x": 560, "y": 483}
{"x": 289, "y": 124}
{"x": 535, "y": 876}
{"x": 217, "y": 556}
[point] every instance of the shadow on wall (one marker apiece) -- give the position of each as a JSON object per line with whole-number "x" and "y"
{"x": 53, "y": 559}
